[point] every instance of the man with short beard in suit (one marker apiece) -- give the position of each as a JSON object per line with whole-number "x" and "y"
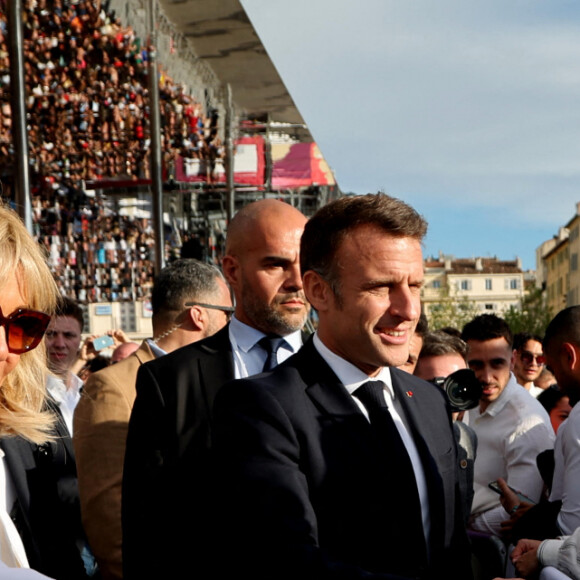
{"x": 336, "y": 464}
{"x": 166, "y": 508}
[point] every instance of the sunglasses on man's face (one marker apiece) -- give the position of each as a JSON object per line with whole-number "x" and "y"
{"x": 24, "y": 329}
{"x": 529, "y": 357}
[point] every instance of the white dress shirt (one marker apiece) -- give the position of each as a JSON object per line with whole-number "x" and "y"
{"x": 249, "y": 356}
{"x": 565, "y": 485}
{"x": 12, "y": 550}
{"x": 352, "y": 378}
{"x": 67, "y": 397}
{"x": 511, "y": 432}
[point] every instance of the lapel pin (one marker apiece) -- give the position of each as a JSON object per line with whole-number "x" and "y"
{"x": 409, "y": 394}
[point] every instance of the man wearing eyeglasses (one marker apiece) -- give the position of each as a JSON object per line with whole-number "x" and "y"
{"x": 528, "y": 361}
{"x": 512, "y": 428}
{"x": 190, "y": 301}
{"x": 166, "y": 507}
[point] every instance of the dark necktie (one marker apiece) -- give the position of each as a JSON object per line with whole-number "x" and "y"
{"x": 390, "y": 444}
{"x": 270, "y": 344}
{"x": 371, "y": 395}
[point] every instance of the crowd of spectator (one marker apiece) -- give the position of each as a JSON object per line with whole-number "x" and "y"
{"x": 88, "y": 113}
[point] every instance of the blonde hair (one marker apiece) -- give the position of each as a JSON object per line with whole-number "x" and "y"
{"x": 23, "y": 391}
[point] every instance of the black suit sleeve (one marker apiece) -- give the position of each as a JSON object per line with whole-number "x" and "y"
{"x": 268, "y": 519}
{"x": 165, "y": 476}
{"x": 142, "y": 513}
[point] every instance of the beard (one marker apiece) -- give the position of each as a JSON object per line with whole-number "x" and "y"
{"x": 275, "y": 317}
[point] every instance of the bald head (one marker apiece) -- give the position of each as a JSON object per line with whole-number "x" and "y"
{"x": 562, "y": 350}
{"x": 262, "y": 265}
{"x": 564, "y": 327}
{"x": 259, "y": 219}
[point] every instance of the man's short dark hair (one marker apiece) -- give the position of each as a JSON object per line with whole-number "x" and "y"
{"x": 331, "y": 224}
{"x": 68, "y": 307}
{"x": 522, "y": 338}
{"x": 182, "y": 281}
{"x": 549, "y": 397}
{"x": 451, "y": 330}
{"x": 422, "y": 327}
{"x": 440, "y": 343}
{"x": 564, "y": 327}
{"x": 487, "y": 327}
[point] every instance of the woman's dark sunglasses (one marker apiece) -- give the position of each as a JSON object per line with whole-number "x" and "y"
{"x": 24, "y": 329}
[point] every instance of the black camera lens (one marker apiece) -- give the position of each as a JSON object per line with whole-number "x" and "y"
{"x": 463, "y": 390}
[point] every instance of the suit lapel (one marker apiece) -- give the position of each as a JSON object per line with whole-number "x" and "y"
{"x": 414, "y": 409}
{"x": 322, "y": 385}
{"x": 216, "y": 363}
{"x": 203, "y": 375}
{"x": 19, "y": 460}
{"x": 336, "y": 406}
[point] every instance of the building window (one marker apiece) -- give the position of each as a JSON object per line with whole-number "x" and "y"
{"x": 488, "y": 284}
{"x": 436, "y": 284}
{"x": 465, "y": 285}
{"x": 512, "y": 284}
{"x": 489, "y": 306}
{"x": 574, "y": 262}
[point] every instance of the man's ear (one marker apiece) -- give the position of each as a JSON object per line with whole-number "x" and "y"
{"x": 514, "y": 354}
{"x": 570, "y": 354}
{"x": 196, "y": 317}
{"x": 231, "y": 269}
{"x": 317, "y": 290}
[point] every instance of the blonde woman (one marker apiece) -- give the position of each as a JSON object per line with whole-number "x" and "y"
{"x": 28, "y": 297}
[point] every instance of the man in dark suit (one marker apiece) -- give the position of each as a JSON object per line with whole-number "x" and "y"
{"x": 101, "y": 419}
{"x": 441, "y": 355}
{"x": 166, "y": 511}
{"x": 324, "y": 473}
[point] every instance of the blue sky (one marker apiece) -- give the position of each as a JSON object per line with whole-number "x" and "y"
{"x": 469, "y": 110}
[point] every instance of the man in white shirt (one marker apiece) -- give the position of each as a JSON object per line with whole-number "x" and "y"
{"x": 63, "y": 340}
{"x": 512, "y": 428}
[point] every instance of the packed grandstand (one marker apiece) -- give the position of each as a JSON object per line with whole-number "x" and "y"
{"x": 86, "y": 77}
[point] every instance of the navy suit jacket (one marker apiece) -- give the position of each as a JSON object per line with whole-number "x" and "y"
{"x": 305, "y": 493}
{"x": 166, "y": 507}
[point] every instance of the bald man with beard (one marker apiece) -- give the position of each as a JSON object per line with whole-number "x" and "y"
{"x": 166, "y": 507}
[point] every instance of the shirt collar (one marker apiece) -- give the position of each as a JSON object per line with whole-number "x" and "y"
{"x": 155, "y": 349}
{"x": 246, "y": 337}
{"x": 58, "y": 389}
{"x": 349, "y": 375}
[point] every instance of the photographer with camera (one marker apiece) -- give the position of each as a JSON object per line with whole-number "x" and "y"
{"x": 442, "y": 362}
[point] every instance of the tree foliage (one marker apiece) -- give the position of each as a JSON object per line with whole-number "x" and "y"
{"x": 455, "y": 311}
{"x": 532, "y": 315}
